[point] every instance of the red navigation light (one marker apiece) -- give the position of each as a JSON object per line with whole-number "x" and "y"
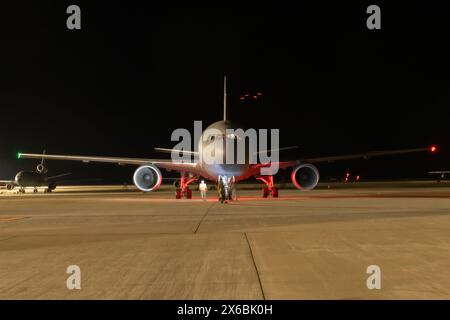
{"x": 242, "y": 98}
{"x": 347, "y": 175}
{"x": 357, "y": 178}
{"x": 255, "y": 97}
{"x": 433, "y": 148}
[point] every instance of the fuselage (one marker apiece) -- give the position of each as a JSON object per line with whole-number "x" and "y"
{"x": 29, "y": 179}
{"x": 208, "y": 145}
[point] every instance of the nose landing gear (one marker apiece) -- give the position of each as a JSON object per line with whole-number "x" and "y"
{"x": 224, "y": 187}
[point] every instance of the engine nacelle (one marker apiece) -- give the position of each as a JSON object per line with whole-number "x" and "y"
{"x": 40, "y": 168}
{"x": 9, "y": 186}
{"x": 147, "y": 178}
{"x": 52, "y": 186}
{"x": 305, "y": 176}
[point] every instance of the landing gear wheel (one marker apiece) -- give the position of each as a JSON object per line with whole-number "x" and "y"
{"x": 221, "y": 195}
{"x": 265, "y": 192}
{"x": 275, "y": 192}
{"x": 35, "y": 190}
{"x": 233, "y": 193}
{"x": 188, "y": 193}
{"x": 178, "y": 194}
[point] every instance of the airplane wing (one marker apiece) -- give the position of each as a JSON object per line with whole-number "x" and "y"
{"x": 7, "y": 182}
{"x": 366, "y": 155}
{"x": 438, "y": 172}
{"x": 277, "y": 149}
{"x": 161, "y": 163}
{"x": 187, "y": 152}
{"x": 192, "y": 166}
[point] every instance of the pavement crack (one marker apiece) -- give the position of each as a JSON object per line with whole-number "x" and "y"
{"x": 203, "y": 218}
{"x": 255, "y": 266}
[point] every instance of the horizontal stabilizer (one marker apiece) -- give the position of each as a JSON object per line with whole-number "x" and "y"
{"x": 277, "y": 149}
{"x": 165, "y": 150}
{"x": 59, "y": 176}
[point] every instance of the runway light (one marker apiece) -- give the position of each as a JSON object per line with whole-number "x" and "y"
{"x": 433, "y": 149}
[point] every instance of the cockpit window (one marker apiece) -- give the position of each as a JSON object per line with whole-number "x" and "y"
{"x": 230, "y": 136}
{"x": 213, "y": 137}
{"x": 233, "y": 136}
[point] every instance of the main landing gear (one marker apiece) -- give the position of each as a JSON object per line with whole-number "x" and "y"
{"x": 225, "y": 186}
{"x": 182, "y": 188}
{"x": 269, "y": 188}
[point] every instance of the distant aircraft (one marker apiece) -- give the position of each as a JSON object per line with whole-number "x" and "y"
{"x": 35, "y": 179}
{"x": 147, "y": 176}
{"x": 441, "y": 173}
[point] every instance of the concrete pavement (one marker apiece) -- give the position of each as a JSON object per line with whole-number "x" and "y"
{"x": 313, "y": 245}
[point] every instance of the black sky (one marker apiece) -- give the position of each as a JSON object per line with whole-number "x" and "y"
{"x": 138, "y": 70}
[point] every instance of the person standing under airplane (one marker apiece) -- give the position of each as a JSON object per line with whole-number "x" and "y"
{"x": 203, "y": 187}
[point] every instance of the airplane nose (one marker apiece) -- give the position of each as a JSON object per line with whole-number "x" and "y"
{"x": 18, "y": 177}
{"x": 232, "y": 170}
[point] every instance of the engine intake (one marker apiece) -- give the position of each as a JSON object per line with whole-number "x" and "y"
{"x": 41, "y": 169}
{"x": 147, "y": 178}
{"x": 305, "y": 177}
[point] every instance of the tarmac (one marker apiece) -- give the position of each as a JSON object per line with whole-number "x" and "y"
{"x": 303, "y": 245}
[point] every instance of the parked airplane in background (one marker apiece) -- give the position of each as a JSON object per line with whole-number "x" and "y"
{"x": 147, "y": 176}
{"x": 441, "y": 173}
{"x": 35, "y": 179}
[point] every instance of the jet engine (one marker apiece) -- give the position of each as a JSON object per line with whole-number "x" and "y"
{"x": 40, "y": 168}
{"x": 9, "y": 186}
{"x": 147, "y": 178}
{"x": 305, "y": 176}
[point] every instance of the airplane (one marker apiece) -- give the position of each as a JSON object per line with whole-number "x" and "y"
{"x": 35, "y": 179}
{"x": 148, "y": 177}
{"x": 441, "y": 173}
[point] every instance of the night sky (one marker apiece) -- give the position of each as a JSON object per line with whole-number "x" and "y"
{"x": 137, "y": 70}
